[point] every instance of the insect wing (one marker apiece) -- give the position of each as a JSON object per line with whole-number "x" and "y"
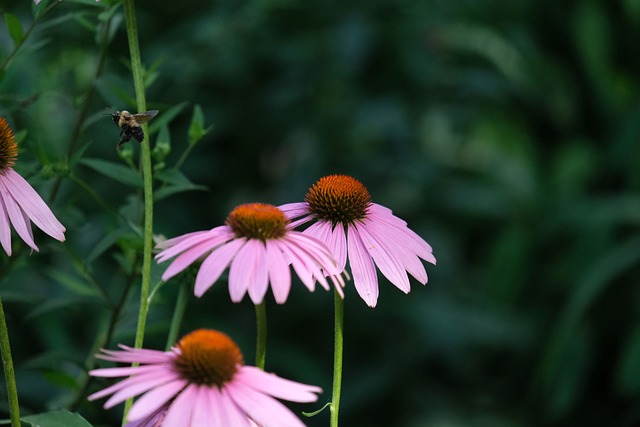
{"x": 143, "y": 118}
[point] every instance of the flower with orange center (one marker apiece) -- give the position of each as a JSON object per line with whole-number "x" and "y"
{"x": 258, "y": 244}
{"x": 201, "y": 382}
{"x": 19, "y": 202}
{"x": 365, "y": 233}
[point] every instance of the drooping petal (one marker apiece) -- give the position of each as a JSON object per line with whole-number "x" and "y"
{"x": 33, "y": 205}
{"x": 135, "y": 355}
{"x": 333, "y": 237}
{"x": 242, "y": 270}
{"x": 124, "y": 371}
{"x": 384, "y": 260}
{"x": 155, "y": 399}
{"x": 181, "y": 409}
{"x": 185, "y": 259}
{"x": 279, "y": 272}
{"x": 213, "y": 266}
{"x": 5, "y": 229}
{"x": 15, "y": 215}
{"x": 234, "y": 415}
{"x": 259, "y": 280}
{"x": 418, "y": 244}
{"x": 202, "y": 416}
{"x": 216, "y": 236}
{"x": 306, "y": 277}
{"x": 136, "y": 386}
{"x": 263, "y": 409}
{"x": 294, "y": 210}
{"x": 398, "y": 246}
{"x": 365, "y": 278}
{"x": 275, "y": 386}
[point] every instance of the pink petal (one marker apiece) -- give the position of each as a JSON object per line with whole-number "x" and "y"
{"x": 279, "y": 272}
{"x": 298, "y": 263}
{"x": 231, "y": 413}
{"x": 294, "y": 210}
{"x": 124, "y": 371}
{"x": 213, "y": 266}
{"x": 5, "y": 230}
{"x": 215, "y": 237}
{"x": 400, "y": 247}
{"x": 386, "y": 261}
{"x": 275, "y": 386}
{"x": 259, "y": 278}
{"x": 243, "y": 269}
{"x": 334, "y": 238}
{"x": 262, "y": 409}
{"x": 131, "y": 355}
{"x": 202, "y": 409}
{"x": 33, "y": 205}
{"x": 185, "y": 259}
{"x": 181, "y": 409}
{"x": 139, "y": 385}
{"x": 155, "y": 399}
{"x": 364, "y": 273}
{"x": 15, "y": 215}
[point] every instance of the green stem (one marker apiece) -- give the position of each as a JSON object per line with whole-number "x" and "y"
{"x": 337, "y": 357}
{"x": 9, "y": 375}
{"x": 138, "y": 82}
{"x": 178, "y": 313}
{"x": 261, "y": 339}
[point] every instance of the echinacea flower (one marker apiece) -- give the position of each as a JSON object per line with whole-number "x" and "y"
{"x": 258, "y": 243}
{"x": 200, "y": 382}
{"x": 19, "y": 202}
{"x": 366, "y": 233}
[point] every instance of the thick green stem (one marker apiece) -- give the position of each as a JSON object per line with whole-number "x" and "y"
{"x": 261, "y": 335}
{"x": 9, "y": 375}
{"x": 145, "y": 159}
{"x": 337, "y": 357}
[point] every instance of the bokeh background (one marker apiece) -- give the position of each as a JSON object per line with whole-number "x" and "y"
{"x": 504, "y": 133}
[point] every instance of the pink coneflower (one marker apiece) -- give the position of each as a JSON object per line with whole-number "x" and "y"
{"x": 19, "y": 202}
{"x": 201, "y": 382}
{"x": 258, "y": 243}
{"x": 367, "y": 233}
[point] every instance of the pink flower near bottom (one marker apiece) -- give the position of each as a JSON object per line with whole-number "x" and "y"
{"x": 201, "y": 382}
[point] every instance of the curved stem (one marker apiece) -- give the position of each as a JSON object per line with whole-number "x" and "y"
{"x": 145, "y": 160}
{"x": 261, "y": 338}
{"x": 9, "y": 375}
{"x": 337, "y": 357}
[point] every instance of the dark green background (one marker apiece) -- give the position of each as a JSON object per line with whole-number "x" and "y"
{"x": 505, "y": 133}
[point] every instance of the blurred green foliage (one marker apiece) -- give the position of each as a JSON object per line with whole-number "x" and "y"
{"x": 505, "y": 133}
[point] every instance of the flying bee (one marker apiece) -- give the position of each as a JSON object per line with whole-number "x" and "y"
{"x": 129, "y": 125}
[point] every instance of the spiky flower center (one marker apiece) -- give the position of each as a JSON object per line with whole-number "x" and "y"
{"x": 208, "y": 357}
{"x": 339, "y": 199}
{"x": 8, "y": 146}
{"x": 257, "y": 221}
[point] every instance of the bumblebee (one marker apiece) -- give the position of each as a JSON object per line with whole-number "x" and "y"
{"x": 129, "y": 125}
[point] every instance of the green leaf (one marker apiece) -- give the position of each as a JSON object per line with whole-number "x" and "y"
{"x": 114, "y": 171}
{"x": 56, "y": 419}
{"x": 176, "y": 182}
{"x": 196, "y": 127}
{"x": 165, "y": 117}
{"x": 14, "y": 26}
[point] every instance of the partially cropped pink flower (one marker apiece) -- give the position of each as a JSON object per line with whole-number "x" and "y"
{"x": 19, "y": 202}
{"x": 201, "y": 382}
{"x": 258, "y": 244}
{"x": 365, "y": 233}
